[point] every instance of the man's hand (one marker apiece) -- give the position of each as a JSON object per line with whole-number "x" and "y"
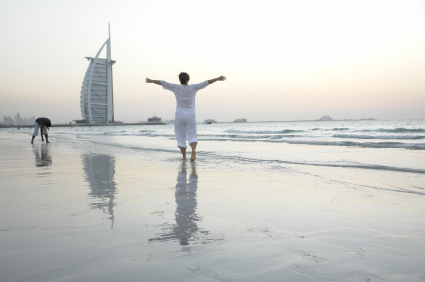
{"x": 148, "y": 80}
{"x": 220, "y": 78}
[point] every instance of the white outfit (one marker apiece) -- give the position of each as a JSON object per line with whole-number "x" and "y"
{"x": 37, "y": 127}
{"x": 185, "y": 120}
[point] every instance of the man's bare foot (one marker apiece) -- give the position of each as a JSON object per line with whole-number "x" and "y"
{"x": 193, "y": 156}
{"x": 183, "y": 150}
{"x": 47, "y": 142}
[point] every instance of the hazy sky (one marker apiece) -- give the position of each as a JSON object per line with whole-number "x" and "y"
{"x": 284, "y": 60}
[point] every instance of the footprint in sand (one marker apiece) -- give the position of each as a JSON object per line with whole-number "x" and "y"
{"x": 313, "y": 258}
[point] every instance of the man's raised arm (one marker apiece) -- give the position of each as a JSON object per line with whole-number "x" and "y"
{"x": 153, "y": 81}
{"x": 221, "y": 78}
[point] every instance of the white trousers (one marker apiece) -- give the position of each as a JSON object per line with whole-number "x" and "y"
{"x": 185, "y": 128}
{"x": 37, "y": 127}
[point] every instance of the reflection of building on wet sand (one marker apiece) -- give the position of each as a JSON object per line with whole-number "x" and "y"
{"x": 100, "y": 170}
{"x": 42, "y": 155}
{"x": 186, "y": 218}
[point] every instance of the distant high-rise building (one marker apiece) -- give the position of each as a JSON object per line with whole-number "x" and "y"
{"x": 96, "y": 100}
{"x": 18, "y": 120}
{"x": 8, "y": 120}
{"x": 31, "y": 120}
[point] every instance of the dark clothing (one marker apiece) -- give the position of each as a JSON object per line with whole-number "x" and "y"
{"x": 44, "y": 121}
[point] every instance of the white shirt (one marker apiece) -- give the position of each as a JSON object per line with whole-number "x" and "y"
{"x": 185, "y": 95}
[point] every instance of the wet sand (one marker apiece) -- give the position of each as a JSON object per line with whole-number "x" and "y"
{"x": 69, "y": 215}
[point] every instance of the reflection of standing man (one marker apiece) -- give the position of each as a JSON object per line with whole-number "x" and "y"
{"x": 186, "y": 217}
{"x": 186, "y": 204}
{"x": 43, "y": 124}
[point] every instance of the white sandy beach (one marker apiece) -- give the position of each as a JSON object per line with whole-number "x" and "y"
{"x": 82, "y": 214}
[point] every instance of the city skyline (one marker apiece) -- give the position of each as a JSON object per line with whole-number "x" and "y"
{"x": 18, "y": 120}
{"x": 284, "y": 60}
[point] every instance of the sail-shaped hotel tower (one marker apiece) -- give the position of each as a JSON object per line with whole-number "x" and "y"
{"x": 97, "y": 99}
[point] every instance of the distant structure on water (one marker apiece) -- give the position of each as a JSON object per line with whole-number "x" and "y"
{"x": 209, "y": 121}
{"x": 97, "y": 99}
{"x": 325, "y": 118}
{"x": 240, "y": 120}
{"x": 155, "y": 119}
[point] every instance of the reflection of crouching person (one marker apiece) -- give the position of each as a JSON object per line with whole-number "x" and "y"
{"x": 43, "y": 124}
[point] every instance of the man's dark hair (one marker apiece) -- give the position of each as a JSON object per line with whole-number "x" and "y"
{"x": 184, "y": 78}
{"x": 48, "y": 124}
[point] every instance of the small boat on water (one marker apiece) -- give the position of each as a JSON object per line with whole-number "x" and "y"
{"x": 325, "y": 118}
{"x": 209, "y": 121}
{"x": 155, "y": 119}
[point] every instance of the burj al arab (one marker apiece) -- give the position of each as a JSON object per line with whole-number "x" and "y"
{"x": 97, "y": 96}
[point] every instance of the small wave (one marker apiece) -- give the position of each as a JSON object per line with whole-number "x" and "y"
{"x": 399, "y": 137}
{"x": 146, "y": 130}
{"x": 377, "y": 145}
{"x": 333, "y": 129}
{"x": 240, "y": 159}
{"x": 283, "y": 136}
{"x": 113, "y": 133}
{"x": 340, "y": 129}
{"x": 396, "y": 130}
{"x": 253, "y": 137}
{"x": 235, "y": 136}
{"x": 352, "y": 165}
{"x": 286, "y": 131}
{"x": 158, "y": 135}
{"x": 145, "y": 133}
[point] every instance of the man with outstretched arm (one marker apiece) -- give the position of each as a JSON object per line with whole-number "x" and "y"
{"x": 43, "y": 124}
{"x": 185, "y": 119}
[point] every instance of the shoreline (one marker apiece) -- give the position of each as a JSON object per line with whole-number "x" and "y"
{"x": 159, "y": 123}
{"x": 89, "y": 124}
{"x": 166, "y": 123}
{"x": 219, "y": 122}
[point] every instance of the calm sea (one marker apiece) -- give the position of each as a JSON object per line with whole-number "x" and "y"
{"x": 390, "y": 152}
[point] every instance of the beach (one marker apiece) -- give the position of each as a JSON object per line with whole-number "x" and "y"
{"x": 102, "y": 204}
